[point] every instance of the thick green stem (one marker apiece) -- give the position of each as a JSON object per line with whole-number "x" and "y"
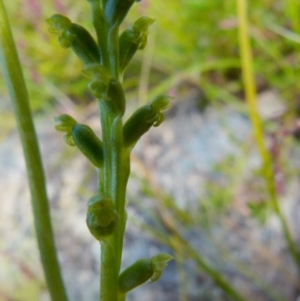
{"x": 250, "y": 89}
{"x": 108, "y": 273}
{"x": 114, "y": 180}
{"x": 13, "y": 76}
{"x": 113, "y": 50}
{"x": 113, "y": 177}
{"x": 108, "y": 39}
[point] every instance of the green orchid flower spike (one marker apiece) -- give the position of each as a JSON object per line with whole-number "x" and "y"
{"x": 105, "y": 61}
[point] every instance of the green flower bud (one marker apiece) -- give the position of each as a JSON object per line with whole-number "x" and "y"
{"x": 58, "y": 23}
{"x": 89, "y": 144}
{"x": 141, "y": 271}
{"x": 159, "y": 263}
{"x": 82, "y": 43}
{"x": 64, "y": 122}
{"x": 141, "y": 25}
{"x": 144, "y": 118}
{"x": 135, "y": 275}
{"x": 82, "y": 136}
{"x": 106, "y": 88}
{"x": 100, "y": 78}
{"x": 98, "y": 88}
{"x": 116, "y": 10}
{"x": 102, "y": 218}
{"x": 75, "y": 36}
{"x": 132, "y": 39}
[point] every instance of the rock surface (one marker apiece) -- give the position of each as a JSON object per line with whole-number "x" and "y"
{"x": 179, "y": 160}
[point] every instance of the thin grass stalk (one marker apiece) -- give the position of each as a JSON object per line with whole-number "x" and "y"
{"x": 215, "y": 275}
{"x": 13, "y": 77}
{"x": 258, "y": 133}
{"x": 195, "y": 255}
{"x": 175, "y": 240}
{"x": 182, "y": 273}
{"x": 292, "y": 13}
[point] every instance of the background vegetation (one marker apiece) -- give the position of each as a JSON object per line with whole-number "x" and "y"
{"x": 193, "y": 52}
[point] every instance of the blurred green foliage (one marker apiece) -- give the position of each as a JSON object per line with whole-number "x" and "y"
{"x": 191, "y": 38}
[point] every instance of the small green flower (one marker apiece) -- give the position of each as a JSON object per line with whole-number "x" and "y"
{"x": 102, "y": 218}
{"x": 144, "y": 118}
{"x": 133, "y": 39}
{"x": 75, "y": 36}
{"x": 82, "y": 136}
{"x": 143, "y": 270}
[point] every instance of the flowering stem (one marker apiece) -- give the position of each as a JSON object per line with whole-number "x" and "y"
{"x": 112, "y": 180}
{"x": 106, "y": 216}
